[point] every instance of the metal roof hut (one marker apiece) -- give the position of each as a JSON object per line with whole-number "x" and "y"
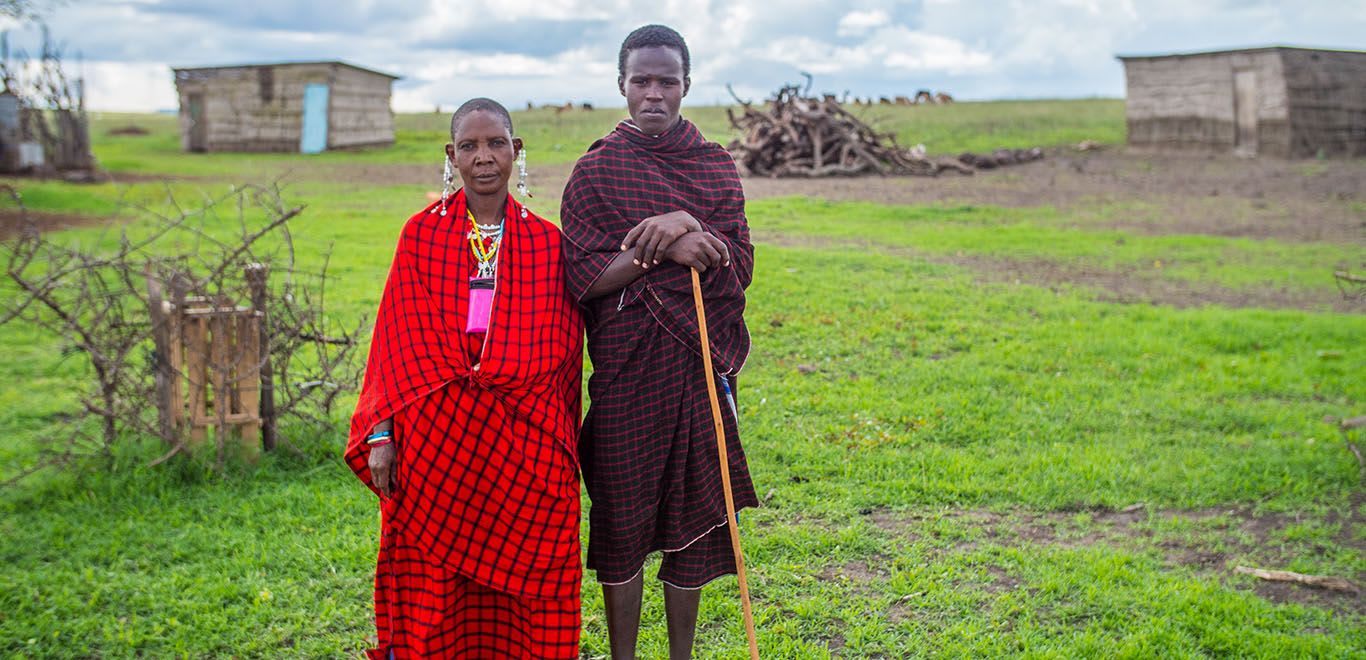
{"x": 303, "y": 107}
{"x": 1279, "y": 101}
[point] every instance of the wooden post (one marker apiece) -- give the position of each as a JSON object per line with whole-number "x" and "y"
{"x": 197, "y": 367}
{"x": 256, "y": 275}
{"x": 180, "y": 288}
{"x": 247, "y": 382}
{"x": 161, "y": 338}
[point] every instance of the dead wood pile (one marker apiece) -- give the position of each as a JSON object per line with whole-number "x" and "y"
{"x": 797, "y": 135}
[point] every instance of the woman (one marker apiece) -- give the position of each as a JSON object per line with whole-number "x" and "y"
{"x": 467, "y": 422}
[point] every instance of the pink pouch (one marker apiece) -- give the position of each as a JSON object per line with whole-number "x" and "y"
{"x": 481, "y": 302}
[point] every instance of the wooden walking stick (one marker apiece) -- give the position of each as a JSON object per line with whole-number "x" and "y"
{"x": 731, "y": 521}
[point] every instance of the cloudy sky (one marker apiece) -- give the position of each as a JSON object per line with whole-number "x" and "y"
{"x": 557, "y": 50}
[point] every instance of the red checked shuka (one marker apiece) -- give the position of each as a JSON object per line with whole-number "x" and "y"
{"x": 483, "y": 528}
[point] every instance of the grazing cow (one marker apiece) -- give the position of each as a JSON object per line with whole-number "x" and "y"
{"x": 943, "y": 97}
{"x": 586, "y": 105}
{"x": 882, "y": 100}
{"x": 902, "y": 100}
{"x": 924, "y": 96}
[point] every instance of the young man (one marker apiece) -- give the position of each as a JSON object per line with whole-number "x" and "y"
{"x": 648, "y": 202}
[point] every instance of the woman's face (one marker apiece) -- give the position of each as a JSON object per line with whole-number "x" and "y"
{"x": 483, "y": 150}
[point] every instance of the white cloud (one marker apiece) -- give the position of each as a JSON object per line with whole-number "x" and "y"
{"x": 129, "y": 86}
{"x": 558, "y": 50}
{"x": 888, "y": 50}
{"x": 859, "y": 23}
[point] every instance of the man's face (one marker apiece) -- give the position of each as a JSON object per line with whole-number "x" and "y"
{"x": 654, "y": 87}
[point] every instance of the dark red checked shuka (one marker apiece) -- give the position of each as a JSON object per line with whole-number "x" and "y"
{"x": 479, "y": 555}
{"x": 648, "y": 445}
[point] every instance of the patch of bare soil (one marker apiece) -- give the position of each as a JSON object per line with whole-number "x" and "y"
{"x": 11, "y": 221}
{"x": 1145, "y": 192}
{"x": 1237, "y": 537}
{"x": 1127, "y": 286}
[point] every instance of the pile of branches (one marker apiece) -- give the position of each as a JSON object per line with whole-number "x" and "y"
{"x": 797, "y": 135}
{"x": 99, "y": 297}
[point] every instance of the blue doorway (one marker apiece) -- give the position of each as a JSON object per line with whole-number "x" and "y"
{"x": 314, "y": 138}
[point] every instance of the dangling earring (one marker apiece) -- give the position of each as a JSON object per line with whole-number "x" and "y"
{"x": 448, "y": 183}
{"x": 521, "y": 174}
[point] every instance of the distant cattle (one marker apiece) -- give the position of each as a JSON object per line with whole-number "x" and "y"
{"x": 902, "y": 100}
{"x": 943, "y": 97}
{"x": 882, "y": 100}
{"x": 924, "y": 96}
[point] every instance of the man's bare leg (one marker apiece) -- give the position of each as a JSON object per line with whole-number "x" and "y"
{"x": 622, "y": 602}
{"x": 680, "y": 609}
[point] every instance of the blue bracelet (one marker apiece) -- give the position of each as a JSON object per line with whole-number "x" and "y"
{"x": 370, "y": 439}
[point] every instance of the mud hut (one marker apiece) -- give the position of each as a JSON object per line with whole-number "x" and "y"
{"x": 1279, "y": 101}
{"x": 303, "y": 107}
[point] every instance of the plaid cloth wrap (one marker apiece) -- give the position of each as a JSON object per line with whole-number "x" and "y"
{"x": 486, "y": 473}
{"x": 648, "y": 444}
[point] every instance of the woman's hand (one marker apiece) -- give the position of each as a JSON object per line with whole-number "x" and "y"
{"x": 382, "y": 461}
{"x": 653, "y": 236}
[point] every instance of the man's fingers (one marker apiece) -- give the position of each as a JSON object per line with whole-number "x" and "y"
{"x": 723, "y": 251}
{"x": 652, "y": 248}
{"x": 632, "y": 236}
{"x": 661, "y": 250}
{"x": 643, "y": 239}
{"x": 714, "y": 255}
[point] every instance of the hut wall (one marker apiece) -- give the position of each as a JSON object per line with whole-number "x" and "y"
{"x": 260, "y": 108}
{"x": 1187, "y": 101}
{"x": 359, "y": 113}
{"x": 1327, "y": 94}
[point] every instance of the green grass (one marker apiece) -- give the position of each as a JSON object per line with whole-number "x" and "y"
{"x": 938, "y": 455}
{"x": 561, "y": 138}
{"x": 1047, "y": 234}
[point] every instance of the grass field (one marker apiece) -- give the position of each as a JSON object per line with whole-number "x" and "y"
{"x": 952, "y": 465}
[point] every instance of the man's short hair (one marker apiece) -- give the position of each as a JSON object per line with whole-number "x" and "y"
{"x": 478, "y": 105}
{"x": 651, "y": 36}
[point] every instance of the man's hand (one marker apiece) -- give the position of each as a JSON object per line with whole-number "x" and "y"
{"x": 653, "y": 236}
{"x": 699, "y": 250}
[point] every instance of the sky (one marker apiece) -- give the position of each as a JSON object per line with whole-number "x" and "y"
{"x": 553, "y": 51}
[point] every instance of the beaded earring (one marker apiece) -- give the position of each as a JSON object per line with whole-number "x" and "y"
{"x": 521, "y": 175}
{"x": 448, "y": 185}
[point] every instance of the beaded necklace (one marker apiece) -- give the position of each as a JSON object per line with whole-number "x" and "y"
{"x": 485, "y": 253}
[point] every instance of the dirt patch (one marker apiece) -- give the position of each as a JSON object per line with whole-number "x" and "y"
{"x": 857, "y": 572}
{"x": 129, "y": 130}
{"x": 11, "y": 221}
{"x": 1150, "y": 193}
{"x": 1001, "y": 581}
